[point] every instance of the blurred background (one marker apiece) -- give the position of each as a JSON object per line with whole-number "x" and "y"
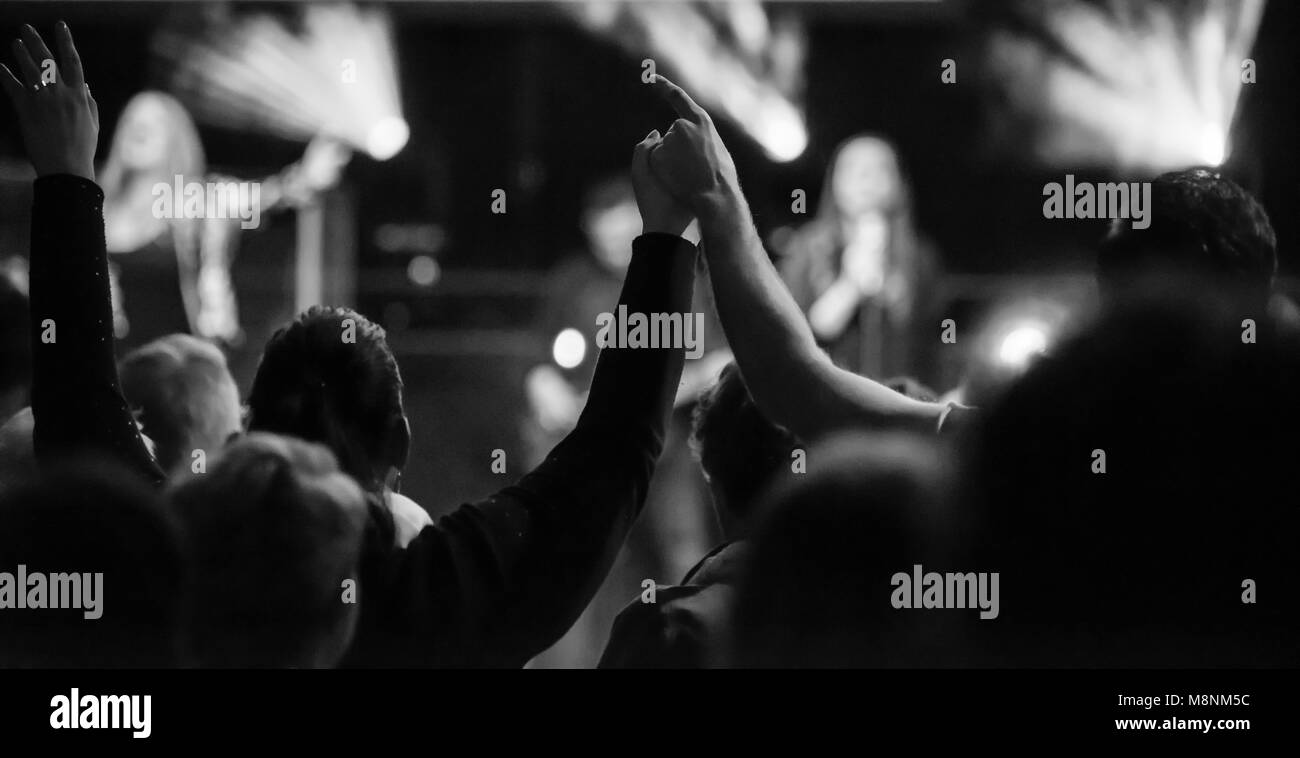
{"x": 390, "y": 127}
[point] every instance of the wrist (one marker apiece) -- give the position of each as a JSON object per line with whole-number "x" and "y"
{"x": 83, "y": 170}
{"x": 662, "y": 226}
{"x": 721, "y": 199}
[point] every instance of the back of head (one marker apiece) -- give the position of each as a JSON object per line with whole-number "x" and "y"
{"x": 97, "y": 561}
{"x": 818, "y": 589}
{"x": 274, "y": 529}
{"x": 1205, "y": 229}
{"x": 740, "y": 451}
{"x": 329, "y": 377}
{"x": 1132, "y": 482}
{"x": 185, "y": 393}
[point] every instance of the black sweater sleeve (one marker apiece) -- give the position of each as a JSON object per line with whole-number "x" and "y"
{"x": 76, "y": 401}
{"x": 498, "y": 581}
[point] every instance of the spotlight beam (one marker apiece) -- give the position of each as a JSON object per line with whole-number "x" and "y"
{"x": 722, "y": 74}
{"x": 336, "y": 77}
{"x": 1150, "y": 86}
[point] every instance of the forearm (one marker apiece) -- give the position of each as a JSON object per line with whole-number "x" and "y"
{"x": 637, "y": 386}
{"x": 77, "y": 403}
{"x": 790, "y": 377}
{"x": 606, "y": 462}
{"x": 554, "y": 535}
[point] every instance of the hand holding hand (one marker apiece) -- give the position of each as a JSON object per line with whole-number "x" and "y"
{"x": 660, "y": 211}
{"x": 59, "y": 120}
{"x": 691, "y": 161}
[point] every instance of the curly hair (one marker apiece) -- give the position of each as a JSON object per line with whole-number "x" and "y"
{"x": 1201, "y": 223}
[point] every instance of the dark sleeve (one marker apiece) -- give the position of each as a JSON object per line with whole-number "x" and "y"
{"x": 650, "y": 636}
{"x": 496, "y": 582}
{"x": 76, "y": 401}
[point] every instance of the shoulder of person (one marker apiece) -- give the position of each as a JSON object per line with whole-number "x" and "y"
{"x": 655, "y": 631}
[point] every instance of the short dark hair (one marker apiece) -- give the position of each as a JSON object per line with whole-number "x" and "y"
{"x": 739, "y": 449}
{"x": 346, "y": 395}
{"x": 817, "y": 589}
{"x": 1202, "y": 223}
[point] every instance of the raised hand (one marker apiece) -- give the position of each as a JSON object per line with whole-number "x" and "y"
{"x": 59, "y": 119}
{"x": 691, "y": 161}
{"x": 660, "y": 211}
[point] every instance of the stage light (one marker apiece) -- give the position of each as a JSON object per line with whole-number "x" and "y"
{"x": 569, "y": 349}
{"x": 387, "y": 138}
{"x": 1019, "y": 326}
{"x": 1142, "y": 87}
{"x": 1021, "y": 345}
{"x": 739, "y": 67}
{"x": 423, "y": 270}
{"x": 1214, "y": 148}
{"x": 781, "y": 132}
{"x": 335, "y": 74}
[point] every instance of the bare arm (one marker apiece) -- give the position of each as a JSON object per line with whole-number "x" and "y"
{"x": 791, "y": 379}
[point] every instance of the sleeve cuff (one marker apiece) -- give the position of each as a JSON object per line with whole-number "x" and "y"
{"x": 70, "y": 185}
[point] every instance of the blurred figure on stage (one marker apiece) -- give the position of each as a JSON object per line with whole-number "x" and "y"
{"x": 677, "y": 524}
{"x": 172, "y": 275}
{"x": 859, "y": 269}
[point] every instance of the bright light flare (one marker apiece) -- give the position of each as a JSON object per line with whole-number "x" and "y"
{"x": 387, "y": 138}
{"x": 1022, "y": 345}
{"x": 730, "y": 78}
{"x": 1128, "y": 84}
{"x": 1214, "y": 145}
{"x": 335, "y": 75}
{"x": 569, "y": 348}
{"x": 780, "y": 130}
{"x": 423, "y": 271}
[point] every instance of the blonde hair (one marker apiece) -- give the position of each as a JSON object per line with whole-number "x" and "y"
{"x": 183, "y": 156}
